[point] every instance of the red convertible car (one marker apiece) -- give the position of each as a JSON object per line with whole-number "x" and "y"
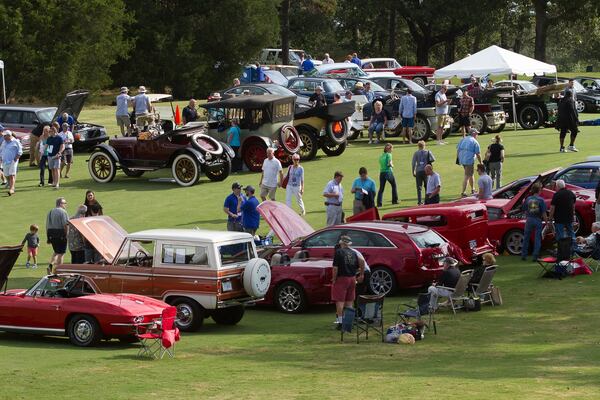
{"x": 71, "y": 305}
{"x": 400, "y": 255}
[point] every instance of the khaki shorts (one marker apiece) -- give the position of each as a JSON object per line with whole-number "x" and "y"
{"x": 468, "y": 170}
{"x": 267, "y": 192}
{"x": 123, "y": 120}
{"x": 441, "y": 120}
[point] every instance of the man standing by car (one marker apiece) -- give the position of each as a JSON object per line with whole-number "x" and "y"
{"x": 56, "y": 231}
{"x": 317, "y": 99}
{"x": 11, "y": 152}
{"x": 143, "y": 108}
{"x": 466, "y": 151}
{"x": 535, "y": 211}
{"x": 348, "y": 268}
{"x": 250, "y": 216}
{"x": 434, "y": 185}
{"x": 441, "y": 112}
{"x": 408, "y": 110}
{"x": 122, "y": 114}
{"x": 467, "y": 106}
{"x": 562, "y": 210}
{"x": 334, "y": 197}
{"x": 356, "y": 60}
{"x": 484, "y": 183}
{"x": 232, "y": 207}
{"x": 307, "y": 64}
{"x": 271, "y": 171}
{"x": 189, "y": 113}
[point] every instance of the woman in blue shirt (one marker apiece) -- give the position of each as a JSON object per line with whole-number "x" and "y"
{"x": 295, "y": 186}
{"x": 233, "y": 140}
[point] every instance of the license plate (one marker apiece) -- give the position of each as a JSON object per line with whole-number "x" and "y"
{"x": 226, "y": 285}
{"x": 473, "y": 244}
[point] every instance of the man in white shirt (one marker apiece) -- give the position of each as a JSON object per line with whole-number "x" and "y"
{"x": 269, "y": 181}
{"x": 143, "y": 108}
{"x": 441, "y": 112}
{"x": 327, "y": 59}
{"x": 334, "y": 197}
{"x": 122, "y": 114}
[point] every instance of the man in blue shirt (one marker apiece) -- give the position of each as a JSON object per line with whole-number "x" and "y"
{"x": 361, "y": 187}
{"x": 11, "y": 152}
{"x": 143, "y": 108}
{"x": 466, "y": 151}
{"x": 68, "y": 119}
{"x": 370, "y": 95}
{"x": 233, "y": 208}
{"x": 233, "y": 140}
{"x": 484, "y": 183}
{"x": 535, "y": 210}
{"x": 307, "y": 64}
{"x": 408, "y": 110}
{"x": 250, "y": 216}
{"x": 122, "y": 114}
{"x": 356, "y": 60}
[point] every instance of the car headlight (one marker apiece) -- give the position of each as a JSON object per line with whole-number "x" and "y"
{"x": 138, "y": 320}
{"x": 208, "y": 156}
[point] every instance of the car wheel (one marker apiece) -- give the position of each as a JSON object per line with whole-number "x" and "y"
{"x": 290, "y": 298}
{"x": 185, "y": 170}
{"x": 496, "y": 128}
{"x": 102, "y": 167}
{"x": 309, "y": 148}
{"x": 420, "y": 80}
{"x": 289, "y": 139}
{"x": 354, "y": 134}
{"x": 421, "y": 130}
{"x": 513, "y": 242}
{"x": 190, "y": 314}
{"x": 478, "y": 122}
{"x": 580, "y": 106}
{"x": 229, "y": 315}
{"x": 333, "y": 150}
{"x": 337, "y": 131}
{"x": 133, "y": 173}
{"x": 382, "y": 281}
{"x": 84, "y": 331}
{"x": 254, "y": 154}
{"x": 578, "y": 225}
{"x": 219, "y": 170}
{"x": 530, "y": 117}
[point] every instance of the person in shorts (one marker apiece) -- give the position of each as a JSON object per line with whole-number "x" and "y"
{"x": 33, "y": 243}
{"x": 67, "y": 156}
{"x": 269, "y": 181}
{"x": 56, "y": 230}
{"x": 348, "y": 268}
{"x": 54, "y": 148}
{"x": 10, "y": 153}
{"x": 408, "y": 111}
{"x": 466, "y": 151}
{"x": 122, "y": 114}
{"x": 441, "y": 112}
{"x": 467, "y": 106}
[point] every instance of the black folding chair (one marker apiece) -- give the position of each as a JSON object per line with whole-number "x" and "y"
{"x": 418, "y": 311}
{"x": 368, "y": 316}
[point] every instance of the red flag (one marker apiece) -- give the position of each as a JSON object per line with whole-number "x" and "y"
{"x": 177, "y": 116}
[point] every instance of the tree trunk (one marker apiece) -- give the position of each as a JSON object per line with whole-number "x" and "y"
{"x": 423, "y": 48}
{"x": 449, "y": 50}
{"x": 392, "y": 33}
{"x": 285, "y": 31}
{"x": 541, "y": 29}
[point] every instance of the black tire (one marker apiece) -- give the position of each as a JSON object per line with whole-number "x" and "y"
{"x": 530, "y": 117}
{"x": 421, "y": 130}
{"x": 102, "y": 167}
{"x": 290, "y": 298}
{"x": 229, "y": 315}
{"x": 190, "y": 314}
{"x": 513, "y": 242}
{"x": 382, "y": 281}
{"x": 84, "y": 331}
{"x": 354, "y": 134}
{"x": 497, "y": 129}
{"x": 185, "y": 170}
{"x": 479, "y": 122}
{"x": 580, "y": 106}
{"x": 133, "y": 173}
{"x": 219, "y": 173}
{"x": 420, "y": 80}
{"x": 337, "y": 131}
{"x": 333, "y": 150}
{"x": 310, "y": 144}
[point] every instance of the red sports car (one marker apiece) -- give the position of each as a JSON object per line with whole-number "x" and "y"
{"x": 71, "y": 305}
{"x": 400, "y": 255}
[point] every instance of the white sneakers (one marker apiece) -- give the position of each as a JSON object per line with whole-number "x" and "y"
{"x": 572, "y": 148}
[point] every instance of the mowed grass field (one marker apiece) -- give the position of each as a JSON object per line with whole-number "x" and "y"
{"x": 542, "y": 343}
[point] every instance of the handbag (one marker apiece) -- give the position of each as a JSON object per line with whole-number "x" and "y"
{"x": 496, "y": 296}
{"x": 286, "y": 179}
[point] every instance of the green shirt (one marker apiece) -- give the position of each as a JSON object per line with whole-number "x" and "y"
{"x": 384, "y": 162}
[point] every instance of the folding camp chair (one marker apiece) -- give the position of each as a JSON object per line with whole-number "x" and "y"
{"x": 417, "y": 312}
{"x": 368, "y": 315}
{"x": 160, "y": 340}
{"x": 591, "y": 256}
{"x": 483, "y": 289}
{"x": 457, "y": 293}
{"x": 564, "y": 252}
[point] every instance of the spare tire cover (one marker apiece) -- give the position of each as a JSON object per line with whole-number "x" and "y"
{"x": 206, "y": 144}
{"x": 257, "y": 277}
{"x": 337, "y": 131}
{"x": 289, "y": 139}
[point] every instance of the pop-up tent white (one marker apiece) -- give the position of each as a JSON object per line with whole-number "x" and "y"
{"x": 496, "y": 61}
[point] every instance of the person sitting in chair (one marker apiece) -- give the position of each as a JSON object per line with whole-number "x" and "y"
{"x": 449, "y": 279}
{"x": 587, "y": 244}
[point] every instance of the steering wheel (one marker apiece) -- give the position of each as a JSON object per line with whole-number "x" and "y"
{"x": 72, "y": 284}
{"x": 140, "y": 257}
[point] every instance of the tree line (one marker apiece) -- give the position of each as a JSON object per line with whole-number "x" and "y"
{"x": 192, "y": 47}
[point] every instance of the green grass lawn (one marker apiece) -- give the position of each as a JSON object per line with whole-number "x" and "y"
{"x": 543, "y": 343}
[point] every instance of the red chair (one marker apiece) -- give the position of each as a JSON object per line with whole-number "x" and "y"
{"x": 160, "y": 340}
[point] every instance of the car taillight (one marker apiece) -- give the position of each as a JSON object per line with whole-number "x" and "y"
{"x": 77, "y": 136}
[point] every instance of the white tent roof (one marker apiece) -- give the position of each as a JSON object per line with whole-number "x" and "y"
{"x": 495, "y": 61}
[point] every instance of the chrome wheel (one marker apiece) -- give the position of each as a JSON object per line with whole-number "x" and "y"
{"x": 477, "y": 122}
{"x": 580, "y": 106}
{"x": 185, "y": 315}
{"x": 83, "y": 330}
{"x": 513, "y": 242}
{"x": 289, "y": 298}
{"x": 420, "y": 130}
{"x": 381, "y": 282}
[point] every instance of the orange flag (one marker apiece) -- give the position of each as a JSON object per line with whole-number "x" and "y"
{"x": 177, "y": 116}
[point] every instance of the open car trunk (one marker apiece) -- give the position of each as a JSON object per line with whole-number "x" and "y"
{"x": 8, "y": 257}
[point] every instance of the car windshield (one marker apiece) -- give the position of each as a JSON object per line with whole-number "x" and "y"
{"x": 415, "y": 87}
{"x": 45, "y": 115}
{"x": 376, "y": 88}
{"x": 528, "y": 86}
{"x": 334, "y": 86}
{"x": 280, "y": 90}
{"x": 578, "y": 87}
{"x": 52, "y": 286}
{"x": 236, "y": 253}
{"x": 427, "y": 239}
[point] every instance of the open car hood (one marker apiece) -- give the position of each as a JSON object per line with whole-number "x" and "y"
{"x": 72, "y": 104}
{"x": 518, "y": 199}
{"x": 8, "y": 257}
{"x": 103, "y": 233}
{"x": 285, "y": 222}
{"x": 157, "y": 97}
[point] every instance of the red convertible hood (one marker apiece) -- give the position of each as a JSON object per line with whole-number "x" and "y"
{"x": 285, "y": 222}
{"x": 103, "y": 233}
{"x": 134, "y": 304}
{"x": 8, "y": 257}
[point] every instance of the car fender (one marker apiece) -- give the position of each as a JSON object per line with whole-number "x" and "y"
{"x": 190, "y": 151}
{"x": 268, "y": 142}
{"x": 207, "y": 301}
{"x": 228, "y": 149}
{"x": 109, "y": 150}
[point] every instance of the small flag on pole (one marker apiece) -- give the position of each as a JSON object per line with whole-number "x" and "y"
{"x": 177, "y": 116}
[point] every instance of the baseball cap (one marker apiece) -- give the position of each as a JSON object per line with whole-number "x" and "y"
{"x": 6, "y": 133}
{"x": 473, "y": 131}
{"x": 346, "y": 240}
{"x": 236, "y": 185}
{"x": 319, "y": 88}
{"x": 249, "y": 188}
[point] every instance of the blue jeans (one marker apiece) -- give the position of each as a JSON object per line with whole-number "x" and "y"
{"x": 377, "y": 128}
{"x": 532, "y": 224}
{"x": 560, "y": 233}
{"x": 383, "y": 178}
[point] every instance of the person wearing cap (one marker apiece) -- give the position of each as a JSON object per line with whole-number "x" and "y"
{"x": 65, "y": 118}
{"x": 295, "y": 186}
{"x": 271, "y": 176}
{"x": 11, "y": 152}
{"x": 441, "y": 112}
{"x": 233, "y": 140}
{"x": 448, "y": 279}
{"x": 233, "y": 208}
{"x": 250, "y": 215}
{"x": 55, "y": 146}
{"x": 359, "y": 89}
{"x": 466, "y": 151}
{"x": 189, "y": 113}
{"x": 348, "y": 268}
{"x": 143, "y": 108}
{"x": 317, "y": 99}
{"x": 364, "y": 190}
{"x": 334, "y": 197}
{"x": 327, "y": 59}
{"x": 122, "y": 113}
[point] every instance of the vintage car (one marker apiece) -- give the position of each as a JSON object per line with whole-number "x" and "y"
{"x": 400, "y": 255}
{"x": 535, "y": 107}
{"x": 72, "y": 305}
{"x": 418, "y": 74}
{"x": 586, "y": 100}
{"x": 305, "y": 87}
{"x": 25, "y": 119}
{"x": 273, "y": 56}
{"x": 264, "y": 121}
{"x": 344, "y": 69}
{"x": 203, "y": 273}
{"x": 466, "y": 226}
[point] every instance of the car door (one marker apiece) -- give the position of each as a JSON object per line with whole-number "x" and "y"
{"x": 321, "y": 244}
{"x": 12, "y": 119}
{"x": 132, "y": 270}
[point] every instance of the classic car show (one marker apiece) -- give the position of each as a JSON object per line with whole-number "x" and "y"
{"x": 299, "y": 199}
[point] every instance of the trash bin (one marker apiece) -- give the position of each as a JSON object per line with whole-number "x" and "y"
{"x": 589, "y": 68}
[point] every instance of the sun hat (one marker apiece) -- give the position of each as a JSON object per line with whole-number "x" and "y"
{"x": 124, "y": 89}
{"x": 6, "y": 133}
{"x": 359, "y": 85}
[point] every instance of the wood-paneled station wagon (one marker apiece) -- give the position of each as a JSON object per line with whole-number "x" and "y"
{"x": 203, "y": 273}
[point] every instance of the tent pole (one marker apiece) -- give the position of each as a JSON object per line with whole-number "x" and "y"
{"x": 514, "y": 107}
{"x": 3, "y": 86}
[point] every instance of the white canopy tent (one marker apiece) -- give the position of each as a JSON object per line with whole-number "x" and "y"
{"x": 496, "y": 61}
